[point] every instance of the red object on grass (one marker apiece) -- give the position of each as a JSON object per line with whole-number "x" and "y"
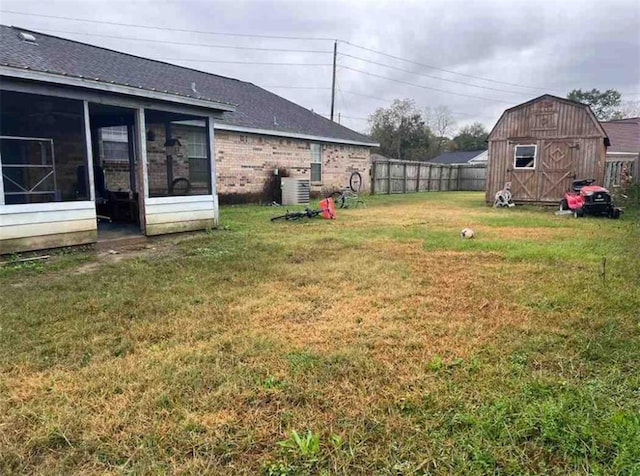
{"x": 328, "y": 208}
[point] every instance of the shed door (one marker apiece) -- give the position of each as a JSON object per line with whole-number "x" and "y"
{"x": 523, "y": 184}
{"x": 556, "y": 171}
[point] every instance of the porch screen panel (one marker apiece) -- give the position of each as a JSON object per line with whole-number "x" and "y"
{"x": 42, "y": 149}
{"x": 178, "y": 159}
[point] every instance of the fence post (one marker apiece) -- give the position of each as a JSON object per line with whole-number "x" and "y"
{"x": 404, "y": 178}
{"x": 389, "y": 177}
{"x": 418, "y": 177}
{"x": 373, "y": 178}
{"x": 429, "y": 179}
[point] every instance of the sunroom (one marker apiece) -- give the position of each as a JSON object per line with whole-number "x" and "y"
{"x": 82, "y": 164}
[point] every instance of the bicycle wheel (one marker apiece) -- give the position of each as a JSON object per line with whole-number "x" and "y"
{"x": 180, "y": 186}
{"x": 296, "y": 215}
{"x": 338, "y": 199}
{"x": 281, "y": 217}
{"x": 355, "y": 182}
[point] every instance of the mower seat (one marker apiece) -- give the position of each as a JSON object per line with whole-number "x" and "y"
{"x": 577, "y": 185}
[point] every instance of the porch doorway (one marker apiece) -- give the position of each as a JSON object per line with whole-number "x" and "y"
{"x": 116, "y": 179}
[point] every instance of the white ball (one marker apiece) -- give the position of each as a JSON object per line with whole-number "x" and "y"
{"x": 467, "y": 233}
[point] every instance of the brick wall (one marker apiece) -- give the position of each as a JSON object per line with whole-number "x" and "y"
{"x": 244, "y": 162}
{"x": 116, "y": 175}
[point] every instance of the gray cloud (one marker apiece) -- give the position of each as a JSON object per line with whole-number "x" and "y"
{"x": 553, "y": 45}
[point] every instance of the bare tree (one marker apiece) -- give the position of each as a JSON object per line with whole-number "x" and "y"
{"x": 630, "y": 109}
{"x": 440, "y": 120}
{"x": 442, "y": 124}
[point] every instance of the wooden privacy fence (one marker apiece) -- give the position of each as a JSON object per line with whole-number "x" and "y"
{"x": 400, "y": 176}
{"x": 613, "y": 171}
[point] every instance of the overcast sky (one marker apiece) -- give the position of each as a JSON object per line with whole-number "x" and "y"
{"x": 511, "y": 51}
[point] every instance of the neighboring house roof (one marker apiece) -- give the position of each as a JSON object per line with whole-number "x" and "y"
{"x": 624, "y": 135}
{"x": 458, "y": 157}
{"x": 554, "y": 98}
{"x": 480, "y": 158}
{"x": 255, "y": 108}
{"x": 379, "y": 158}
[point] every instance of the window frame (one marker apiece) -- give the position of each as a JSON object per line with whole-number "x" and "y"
{"x": 189, "y": 130}
{"x": 535, "y": 156}
{"x": 115, "y": 135}
{"x": 313, "y": 161}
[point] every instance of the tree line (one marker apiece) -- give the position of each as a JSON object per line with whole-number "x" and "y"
{"x": 407, "y": 133}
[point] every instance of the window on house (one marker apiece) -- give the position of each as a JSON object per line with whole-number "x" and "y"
{"x": 198, "y": 157}
{"x": 115, "y": 143}
{"x": 316, "y": 163}
{"x": 525, "y": 157}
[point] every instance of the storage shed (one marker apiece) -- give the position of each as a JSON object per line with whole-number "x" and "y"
{"x": 541, "y": 146}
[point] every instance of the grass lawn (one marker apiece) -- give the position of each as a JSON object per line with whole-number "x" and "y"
{"x": 379, "y": 343}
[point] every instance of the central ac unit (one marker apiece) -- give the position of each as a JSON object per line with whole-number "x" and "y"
{"x": 295, "y": 191}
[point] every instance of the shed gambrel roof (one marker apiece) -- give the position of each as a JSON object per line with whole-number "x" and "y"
{"x": 255, "y": 107}
{"x": 547, "y": 97}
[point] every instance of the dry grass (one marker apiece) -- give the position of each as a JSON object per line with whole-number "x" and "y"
{"x": 405, "y": 349}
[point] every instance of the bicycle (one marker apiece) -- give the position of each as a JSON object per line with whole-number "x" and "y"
{"x": 349, "y": 197}
{"x": 327, "y": 210}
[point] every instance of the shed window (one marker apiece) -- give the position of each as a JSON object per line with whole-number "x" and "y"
{"x": 316, "y": 163}
{"x": 525, "y": 157}
{"x": 198, "y": 157}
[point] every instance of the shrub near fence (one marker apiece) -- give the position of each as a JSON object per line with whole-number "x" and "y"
{"x": 400, "y": 176}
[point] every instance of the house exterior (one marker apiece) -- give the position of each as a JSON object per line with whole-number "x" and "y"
{"x": 461, "y": 157}
{"x": 87, "y": 132}
{"x": 623, "y": 155}
{"x": 541, "y": 146}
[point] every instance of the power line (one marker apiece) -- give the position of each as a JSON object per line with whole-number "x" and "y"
{"x": 277, "y": 37}
{"x": 389, "y": 101}
{"x": 207, "y": 45}
{"x": 296, "y": 87}
{"x": 244, "y": 62}
{"x": 463, "y": 74}
{"x": 424, "y": 87}
{"x": 432, "y": 77}
{"x": 445, "y": 70}
{"x": 344, "y": 101}
{"x": 162, "y": 28}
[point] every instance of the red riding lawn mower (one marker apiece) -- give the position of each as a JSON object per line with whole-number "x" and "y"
{"x": 589, "y": 199}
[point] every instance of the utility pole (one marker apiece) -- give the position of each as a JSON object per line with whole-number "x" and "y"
{"x": 333, "y": 82}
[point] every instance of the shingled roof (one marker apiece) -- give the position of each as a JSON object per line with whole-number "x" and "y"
{"x": 255, "y": 107}
{"x": 457, "y": 157}
{"x": 624, "y": 135}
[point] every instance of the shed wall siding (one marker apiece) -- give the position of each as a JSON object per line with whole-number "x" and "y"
{"x": 527, "y": 122}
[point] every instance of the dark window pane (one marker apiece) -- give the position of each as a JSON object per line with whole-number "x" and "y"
{"x": 115, "y": 151}
{"x": 524, "y": 162}
{"x": 199, "y": 170}
{"x": 316, "y": 172}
